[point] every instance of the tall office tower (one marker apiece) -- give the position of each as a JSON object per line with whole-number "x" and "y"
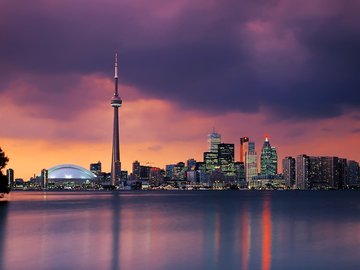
{"x": 244, "y": 148}
{"x": 136, "y": 170}
{"x": 274, "y": 160}
{"x": 268, "y": 159}
{"x": 96, "y": 168}
{"x": 214, "y": 139}
{"x": 115, "y": 160}
{"x": 339, "y": 172}
{"x": 288, "y": 166}
{"x": 211, "y": 161}
{"x": 352, "y": 175}
{"x": 251, "y": 147}
{"x": 226, "y": 158}
{"x": 302, "y": 172}
{"x": 44, "y": 178}
{"x": 251, "y": 167}
{"x": 10, "y": 177}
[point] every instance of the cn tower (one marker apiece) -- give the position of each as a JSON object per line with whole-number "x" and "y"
{"x": 116, "y": 103}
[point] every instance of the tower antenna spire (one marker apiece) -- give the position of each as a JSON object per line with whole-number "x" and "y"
{"x": 116, "y": 66}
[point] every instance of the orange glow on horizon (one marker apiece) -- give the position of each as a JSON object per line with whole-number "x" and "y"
{"x": 151, "y": 129}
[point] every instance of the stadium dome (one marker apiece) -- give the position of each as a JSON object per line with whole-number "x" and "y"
{"x": 71, "y": 173}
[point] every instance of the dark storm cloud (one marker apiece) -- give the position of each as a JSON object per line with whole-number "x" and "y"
{"x": 296, "y": 60}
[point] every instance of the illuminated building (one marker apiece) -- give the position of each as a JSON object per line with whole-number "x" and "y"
{"x": 226, "y": 158}
{"x": 211, "y": 161}
{"x": 69, "y": 174}
{"x": 44, "y": 178}
{"x": 214, "y": 139}
{"x": 327, "y": 172}
{"x": 268, "y": 159}
{"x": 200, "y": 166}
{"x": 244, "y": 148}
{"x": 251, "y": 167}
{"x": 352, "y": 176}
{"x": 96, "y": 168}
{"x": 169, "y": 171}
{"x": 191, "y": 176}
{"x": 115, "y": 160}
{"x": 288, "y": 166}
{"x": 124, "y": 175}
{"x": 156, "y": 177}
{"x": 240, "y": 171}
{"x": 179, "y": 171}
{"x": 302, "y": 172}
{"x": 191, "y": 164}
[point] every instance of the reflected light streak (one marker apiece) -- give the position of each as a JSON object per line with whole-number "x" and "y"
{"x": 246, "y": 234}
{"x": 266, "y": 226}
{"x": 217, "y": 236}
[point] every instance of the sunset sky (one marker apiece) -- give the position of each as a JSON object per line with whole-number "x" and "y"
{"x": 290, "y": 69}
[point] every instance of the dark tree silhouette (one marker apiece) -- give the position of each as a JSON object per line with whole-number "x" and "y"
{"x": 4, "y": 187}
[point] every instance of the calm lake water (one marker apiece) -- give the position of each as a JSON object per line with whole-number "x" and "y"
{"x": 181, "y": 230}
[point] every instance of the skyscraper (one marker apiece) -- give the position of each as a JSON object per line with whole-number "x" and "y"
{"x": 226, "y": 158}
{"x": 268, "y": 159}
{"x": 211, "y": 161}
{"x": 327, "y": 172}
{"x": 10, "y": 177}
{"x": 302, "y": 172}
{"x": 288, "y": 165}
{"x": 44, "y": 178}
{"x": 244, "y": 148}
{"x": 214, "y": 139}
{"x": 136, "y": 170}
{"x": 116, "y": 103}
{"x": 352, "y": 176}
{"x": 251, "y": 167}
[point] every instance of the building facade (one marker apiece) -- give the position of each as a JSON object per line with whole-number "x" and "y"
{"x": 268, "y": 159}
{"x": 288, "y": 167}
{"x": 302, "y": 172}
{"x": 226, "y": 154}
{"x": 214, "y": 139}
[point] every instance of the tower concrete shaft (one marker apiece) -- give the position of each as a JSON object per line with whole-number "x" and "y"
{"x": 116, "y": 103}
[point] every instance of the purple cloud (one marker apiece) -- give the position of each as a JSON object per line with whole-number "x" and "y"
{"x": 297, "y": 60}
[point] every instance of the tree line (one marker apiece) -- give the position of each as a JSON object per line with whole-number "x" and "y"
{"x": 4, "y": 184}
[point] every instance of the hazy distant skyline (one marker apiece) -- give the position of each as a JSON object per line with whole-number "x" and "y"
{"x": 289, "y": 69}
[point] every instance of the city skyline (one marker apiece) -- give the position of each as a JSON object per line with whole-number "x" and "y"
{"x": 259, "y": 72}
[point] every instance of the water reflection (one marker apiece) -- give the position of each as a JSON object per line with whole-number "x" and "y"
{"x": 266, "y": 243}
{"x": 245, "y": 236}
{"x": 115, "y": 231}
{"x": 3, "y": 230}
{"x": 180, "y": 230}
